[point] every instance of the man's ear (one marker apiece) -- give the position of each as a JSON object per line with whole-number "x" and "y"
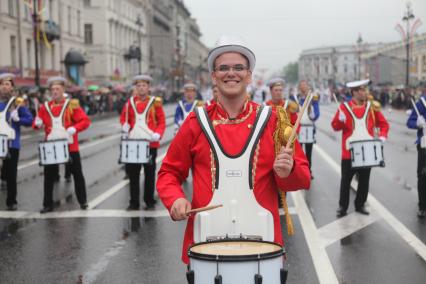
{"x": 213, "y": 76}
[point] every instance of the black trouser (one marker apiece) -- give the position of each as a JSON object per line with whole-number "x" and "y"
{"x": 308, "y": 152}
{"x": 3, "y": 173}
{"x": 10, "y": 167}
{"x": 345, "y": 185}
{"x": 421, "y": 177}
{"x": 50, "y": 173}
{"x": 133, "y": 170}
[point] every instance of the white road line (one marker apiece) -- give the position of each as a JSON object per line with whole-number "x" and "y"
{"x": 116, "y": 188}
{"x": 346, "y": 226}
{"x": 322, "y": 263}
{"x": 96, "y": 213}
{"x": 83, "y": 147}
{"x": 418, "y": 246}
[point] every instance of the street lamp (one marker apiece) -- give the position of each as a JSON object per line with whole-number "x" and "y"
{"x": 140, "y": 24}
{"x": 407, "y": 17}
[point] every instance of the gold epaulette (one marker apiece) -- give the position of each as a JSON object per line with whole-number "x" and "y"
{"x": 19, "y": 101}
{"x": 370, "y": 97}
{"x": 315, "y": 97}
{"x": 283, "y": 129}
{"x": 158, "y": 101}
{"x": 376, "y": 106}
{"x": 74, "y": 103}
{"x": 200, "y": 103}
{"x": 293, "y": 107}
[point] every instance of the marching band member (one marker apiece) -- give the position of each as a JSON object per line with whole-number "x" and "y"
{"x": 417, "y": 121}
{"x": 185, "y": 106}
{"x": 133, "y": 117}
{"x": 232, "y": 122}
{"x": 308, "y": 119}
{"x": 13, "y": 115}
{"x": 213, "y": 100}
{"x": 74, "y": 121}
{"x": 343, "y": 121}
{"x": 276, "y": 86}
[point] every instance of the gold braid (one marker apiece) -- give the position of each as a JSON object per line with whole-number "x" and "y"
{"x": 281, "y": 135}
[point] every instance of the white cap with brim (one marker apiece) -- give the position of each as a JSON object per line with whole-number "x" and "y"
{"x": 230, "y": 44}
{"x": 190, "y": 86}
{"x": 7, "y": 77}
{"x": 141, "y": 78}
{"x": 357, "y": 84}
{"x": 275, "y": 81}
{"x": 57, "y": 80}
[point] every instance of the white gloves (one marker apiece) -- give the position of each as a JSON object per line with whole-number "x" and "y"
{"x": 71, "y": 130}
{"x": 15, "y": 115}
{"x": 383, "y": 139}
{"x": 421, "y": 123}
{"x": 312, "y": 115}
{"x": 38, "y": 122}
{"x": 342, "y": 116}
{"x": 155, "y": 137}
{"x": 125, "y": 128}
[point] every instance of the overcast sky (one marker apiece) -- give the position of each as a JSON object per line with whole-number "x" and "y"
{"x": 277, "y": 30}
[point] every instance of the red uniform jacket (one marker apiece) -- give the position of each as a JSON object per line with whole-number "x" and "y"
{"x": 156, "y": 119}
{"x": 191, "y": 150}
{"x": 375, "y": 119}
{"x": 74, "y": 116}
{"x": 293, "y": 115}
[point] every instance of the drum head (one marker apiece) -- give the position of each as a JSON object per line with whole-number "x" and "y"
{"x": 234, "y": 250}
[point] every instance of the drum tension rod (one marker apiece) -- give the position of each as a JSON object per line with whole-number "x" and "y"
{"x": 218, "y": 278}
{"x": 283, "y": 275}
{"x": 190, "y": 276}
{"x": 257, "y": 277}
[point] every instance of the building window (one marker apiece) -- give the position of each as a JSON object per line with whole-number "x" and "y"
{"x": 345, "y": 68}
{"x": 13, "y": 51}
{"x": 78, "y": 23}
{"x": 51, "y": 9}
{"x": 53, "y": 57}
{"x": 11, "y": 7}
{"x": 326, "y": 69}
{"x": 69, "y": 19}
{"x": 87, "y": 3}
{"x": 88, "y": 34}
{"x": 29, "y": 53}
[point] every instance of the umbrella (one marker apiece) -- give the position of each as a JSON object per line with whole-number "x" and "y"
{"x": 93, "y": 88}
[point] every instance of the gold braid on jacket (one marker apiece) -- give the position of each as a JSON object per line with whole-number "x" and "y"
{"x": 281, "y": 135}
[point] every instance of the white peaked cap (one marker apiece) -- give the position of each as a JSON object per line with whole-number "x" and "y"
{"x": 230, "y": 44}
{"x": 356, "y": 84}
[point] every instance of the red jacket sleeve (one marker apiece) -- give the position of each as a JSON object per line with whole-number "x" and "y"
{"x": 79, "y": 120}
{"x": 175, "y": 167}
{"x": 382, "y": 124}
{"x": 161, "y": 119}
{"x": 336, "y": 124}
{"x": 300, "y": 177}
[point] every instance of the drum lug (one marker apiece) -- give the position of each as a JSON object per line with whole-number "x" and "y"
{"x": 258, "y": 279}
{"x": 190, "y": 276}
{"x": 218, "y": 279}
{"x": 283, "y": 274}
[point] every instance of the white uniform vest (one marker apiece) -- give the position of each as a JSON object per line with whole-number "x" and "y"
{"x": 186, "y": 113}
{"x": 58, "y": 130}
{"x": 241, "y": 214}
{"x": 360, "y": 131}
{"x": 140, "y": 129}
{"x": 305, "y": 120}
{"x": 5, "y": 128}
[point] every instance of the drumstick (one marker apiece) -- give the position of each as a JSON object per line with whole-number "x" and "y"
{"x": 299, "y": 117}
{"x": 201, "y": 209}
{"x": 335, "y": 98}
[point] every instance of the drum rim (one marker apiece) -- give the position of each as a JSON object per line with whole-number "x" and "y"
{"x": 54, "y": 140}
{"x": 365, "y": 140}
{"x": 235, "y": 258}
{"x": 140, "y": 140}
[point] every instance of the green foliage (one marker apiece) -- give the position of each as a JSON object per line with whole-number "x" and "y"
{"x": 291, "y": 72}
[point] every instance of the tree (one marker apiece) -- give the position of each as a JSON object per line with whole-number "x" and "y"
{"x": 291, "y": 72}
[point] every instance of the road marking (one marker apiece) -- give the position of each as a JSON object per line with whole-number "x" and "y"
{"x": 83, "y": 147}
{"x": 346, "y": 226}
{"x": 322, "y": 263}
{"x": 418, "y": 246}
{"x": 116, "y": 188}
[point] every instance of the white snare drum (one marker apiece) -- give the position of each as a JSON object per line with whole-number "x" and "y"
{"x": 3, "y": 146}
{"x": 367, "y": 153}
{"x": 236, "y": 261}
{"x": 134, "y": 151}
{"x": 306, "y": 134}
{"x": 53, "y": 152}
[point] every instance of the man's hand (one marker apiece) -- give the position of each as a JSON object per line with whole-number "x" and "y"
{"x": 284, "y": 162}
{"x": 179, "y": 209}
{"x": 15, "y": 115}
{"x": 342, "y": 116}
{"x": 421, "y": 122}
{"x": 38, "y": 122}
{"x": 71, "y": 130}
{"x": 155, "y": 137}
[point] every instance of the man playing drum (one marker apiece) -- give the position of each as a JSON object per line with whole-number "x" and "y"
{"x": 143, "y": 117}
{"x": 417, "y": 121}
{"x": 13, "y": 115}
{"x": 353, "y": 117}
{"x": 229, "y": 147}
{"x": 62, "y": 119}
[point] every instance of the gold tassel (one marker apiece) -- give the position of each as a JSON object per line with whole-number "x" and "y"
{"x": 281, "y": 135}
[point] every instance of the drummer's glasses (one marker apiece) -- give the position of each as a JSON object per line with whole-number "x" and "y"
{"x": 226, "y": 68}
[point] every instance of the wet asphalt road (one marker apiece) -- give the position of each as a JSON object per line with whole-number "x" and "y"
{"x": 106, "y": 244}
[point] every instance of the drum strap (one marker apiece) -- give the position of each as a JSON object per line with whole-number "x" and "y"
{"x": 423, "y": 101}
{"x": 61, "y": 114}
{"x": 9, "y": 103}
{"x": 258, "y": 127}
{"x": 186, "y": 113}
{"x": 286, "y": 104}
{"x": 364, "y": 117}
{"x": 145, "y": 111}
